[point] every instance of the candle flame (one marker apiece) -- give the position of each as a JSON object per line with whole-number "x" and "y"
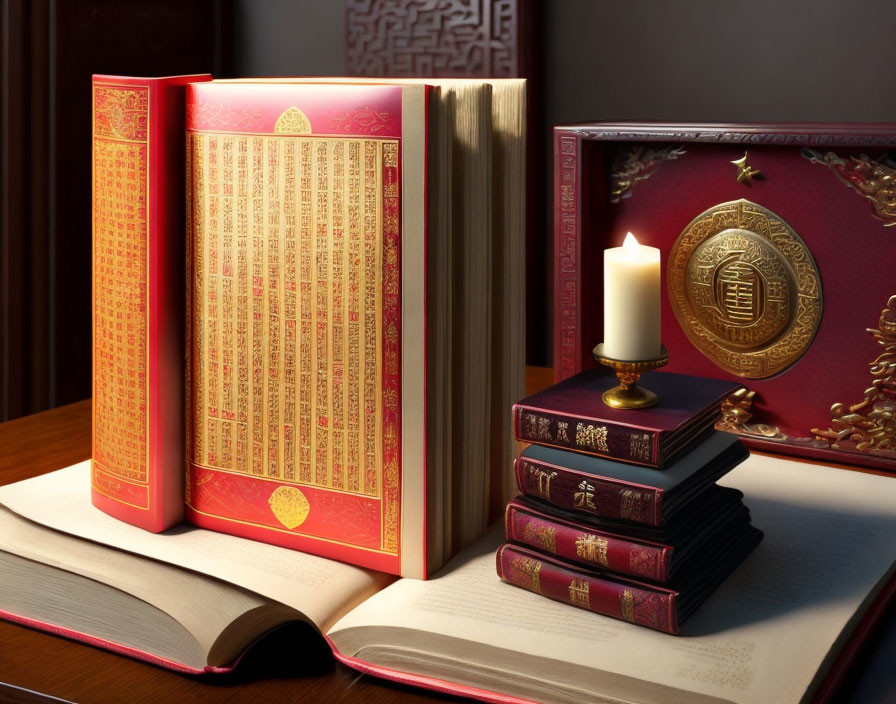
{"x": 630, "y": 241}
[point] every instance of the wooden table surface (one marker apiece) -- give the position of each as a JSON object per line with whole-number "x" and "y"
{"x": 35, "y": 667}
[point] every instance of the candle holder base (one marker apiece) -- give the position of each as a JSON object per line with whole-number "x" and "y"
{"x": 628, "y": 395}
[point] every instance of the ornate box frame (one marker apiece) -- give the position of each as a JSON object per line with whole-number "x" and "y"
{"x": 779, "y": 268}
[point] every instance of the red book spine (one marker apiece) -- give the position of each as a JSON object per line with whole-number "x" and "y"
{"x": 585, "y": 493}
{"x": 583, "y": 544}
{"x": 138, "y": 298}
{"x": 587, "y": 435}
{"x": 630, "y": 601}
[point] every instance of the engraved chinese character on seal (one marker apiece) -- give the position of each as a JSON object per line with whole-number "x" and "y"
{"x": 745, "y": 289}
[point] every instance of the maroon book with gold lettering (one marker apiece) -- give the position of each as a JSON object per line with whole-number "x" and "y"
{"x": 138, "y": 298}
{"x": 571, "y": 415}
{"x": 598, "y": 487}
{"x": 656, "y": 555}
{"x": 663, "y": 608}
{"x": 306, "y": 204}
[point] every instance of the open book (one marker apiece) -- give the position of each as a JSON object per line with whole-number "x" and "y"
{"x": 776, "y": 631}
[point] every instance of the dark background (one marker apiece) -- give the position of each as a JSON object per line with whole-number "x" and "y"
{"x": 692, "y": 60}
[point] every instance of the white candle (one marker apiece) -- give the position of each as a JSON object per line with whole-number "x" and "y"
{"x": 632, "y": 301}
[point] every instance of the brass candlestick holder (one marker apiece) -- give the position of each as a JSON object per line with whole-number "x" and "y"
{"x": 628, "y": 394}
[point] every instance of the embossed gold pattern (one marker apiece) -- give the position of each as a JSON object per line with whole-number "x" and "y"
{"x": 745, "y": 289}
{"x": 579, "y": 593}
{"x": 870, "y": 178}
{"x": 540, "y": 535}
{"x": 295, "y": 315}
{"x": 869, "y": 426}
{"x": 539, "y": 481}
{"x": 592, "y": 548}
{"x": 293, "y": 121}
{"x": 745, "y": 172}
{"x": 736, "y": 412}
{"x": 638, "y": 162}
{"x": 121, "y": 293}
{"x": 526, "y": 572}
{"x": 642, "y": 561}
{"x": 627, "y": 602}
{"x": 289, "y": 506}
{"x": 633, "y": 505}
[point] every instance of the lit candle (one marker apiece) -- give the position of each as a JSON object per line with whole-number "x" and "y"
{"x": 632, "y": 301}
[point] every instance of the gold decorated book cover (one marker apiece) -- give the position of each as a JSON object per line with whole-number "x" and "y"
{"x": 138, "y": 335}
{"x": 305, "y": 396}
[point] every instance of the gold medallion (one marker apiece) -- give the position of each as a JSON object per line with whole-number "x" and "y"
{"x": 745, "y": 289}
{"x": 289, "y": 506}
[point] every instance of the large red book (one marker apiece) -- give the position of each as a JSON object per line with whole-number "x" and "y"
{"x": 571, "y": 415}
{"x": 138, "y": 297}
{"x": 594, "y": 486}
{"x": 662, "y": 559}
{"x": 325, "y": 317}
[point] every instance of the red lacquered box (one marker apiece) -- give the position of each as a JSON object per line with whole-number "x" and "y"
{"x": 779, "y": 269}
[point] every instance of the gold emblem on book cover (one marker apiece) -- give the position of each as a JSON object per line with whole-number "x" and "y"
{"x": 292, "y": 121}
{"x": 289, "y": 506}
{"x": 745, "y": 289}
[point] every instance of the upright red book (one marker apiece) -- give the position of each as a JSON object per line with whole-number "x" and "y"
{"x": 306, "y": 201}
{"x": 138, "y": 300}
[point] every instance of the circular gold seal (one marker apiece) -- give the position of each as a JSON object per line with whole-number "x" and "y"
{"x": 290, "y": 506}
{"x": 745, "y": 289}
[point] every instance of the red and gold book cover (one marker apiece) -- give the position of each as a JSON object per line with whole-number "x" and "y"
{"x": 643, "y": 604}
{"x": 138, "y": 229}
{"x": 305, "y": 383}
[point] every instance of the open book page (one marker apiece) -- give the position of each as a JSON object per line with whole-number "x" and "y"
{"x": 766, "y": 635}
{"x": 319, "y": 588}
{"x": 159, "y": 584}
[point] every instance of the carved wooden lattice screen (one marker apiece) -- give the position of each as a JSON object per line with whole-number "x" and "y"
{"x": 458, "y": 39}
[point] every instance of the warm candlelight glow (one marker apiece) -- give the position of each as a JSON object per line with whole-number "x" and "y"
{"x": 632, "y": 301}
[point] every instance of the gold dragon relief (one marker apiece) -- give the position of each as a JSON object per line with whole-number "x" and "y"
{"x": 745, "y": 289}
{"x": 869, "y": 426}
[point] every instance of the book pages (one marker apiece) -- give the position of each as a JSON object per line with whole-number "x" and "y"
{"x": 768, "y": 634}
{"x": 321, "y": 589}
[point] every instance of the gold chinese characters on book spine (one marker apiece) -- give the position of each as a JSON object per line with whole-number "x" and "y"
{"x": 120, "y": 276}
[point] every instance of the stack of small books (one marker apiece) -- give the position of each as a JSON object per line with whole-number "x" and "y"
{"x": 620, "y": 512}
